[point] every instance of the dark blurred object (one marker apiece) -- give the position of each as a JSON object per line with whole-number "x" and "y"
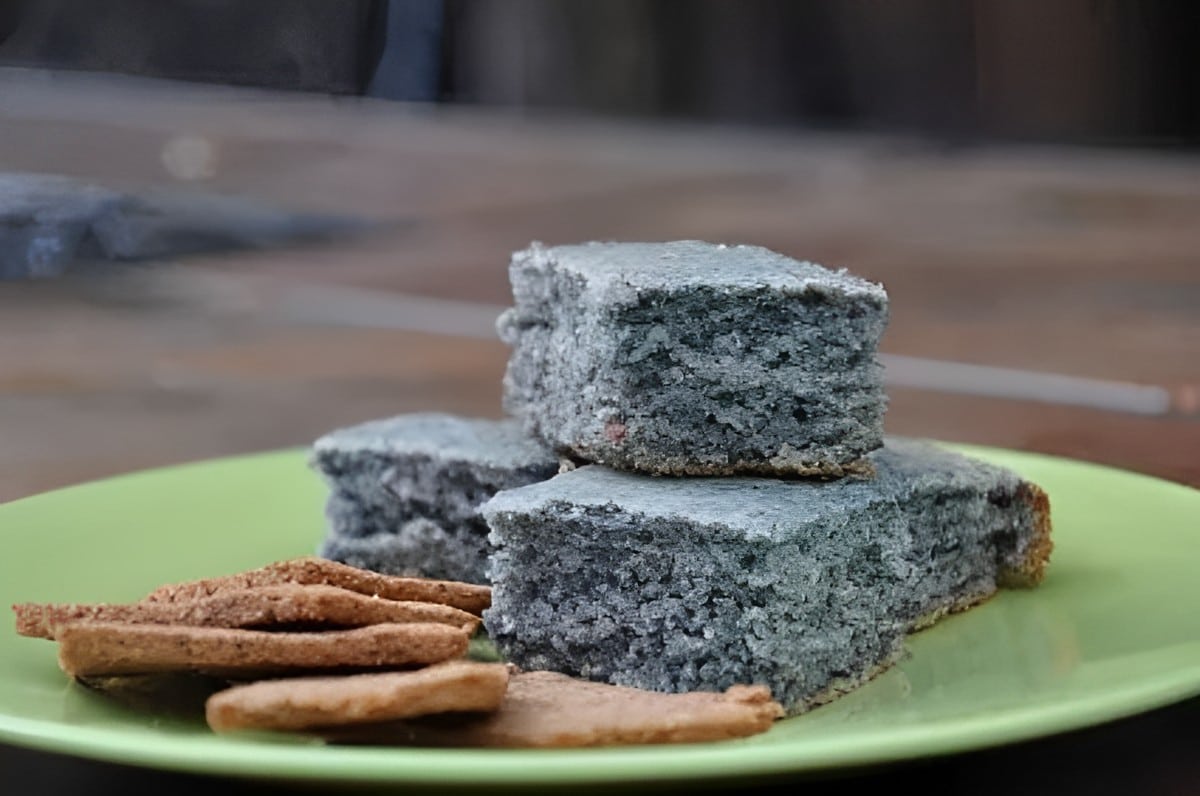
{"x": 1097, "y": 71}
{"x": 410, "y": 61}
{"x": 47, "y": 223}
{"x": 1091, "y": 71}
{"x": 309, "y": 45}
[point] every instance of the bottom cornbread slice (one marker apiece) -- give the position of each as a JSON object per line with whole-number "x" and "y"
{"x": 805, "y": 586}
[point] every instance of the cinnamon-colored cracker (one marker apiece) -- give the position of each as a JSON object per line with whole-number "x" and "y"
{"x": 308, "y": 702}
{"x": 465, "y": 596}
{"x": 547, "y": 709}
{"x": 261, "y": 607}
{"x": 91, "y": 648}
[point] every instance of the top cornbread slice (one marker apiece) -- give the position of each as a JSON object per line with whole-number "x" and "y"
{"x": 688, "y": 358}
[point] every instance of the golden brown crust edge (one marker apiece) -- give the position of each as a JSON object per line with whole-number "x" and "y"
{"x": 1030, "y": 570}
{"x": 860, "y": 467}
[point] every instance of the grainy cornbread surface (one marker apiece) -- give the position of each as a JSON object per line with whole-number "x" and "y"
{"x": 689, "y": 358}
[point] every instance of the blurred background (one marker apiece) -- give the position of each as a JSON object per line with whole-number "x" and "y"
{"x": 230, "y": 226}
{"x": 1083, "y": 71}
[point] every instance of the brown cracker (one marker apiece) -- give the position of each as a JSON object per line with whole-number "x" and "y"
{"x": 304, "y": 703}
{"x": 264, "y": 606}
{"x": 465, "y": 596}
{"x": 90, "y": 648}
{"x": 547, "y": 709}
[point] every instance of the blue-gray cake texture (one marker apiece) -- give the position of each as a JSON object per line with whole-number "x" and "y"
{"x": 689, "y": 358}
{"x": 405, "y": 491}
{"x": 806, "y": 586}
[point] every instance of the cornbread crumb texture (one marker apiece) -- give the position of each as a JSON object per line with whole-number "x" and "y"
{"x": 679, "y": 585}
{"x": 689, "y": 358}
{"x": 405, "y": 490}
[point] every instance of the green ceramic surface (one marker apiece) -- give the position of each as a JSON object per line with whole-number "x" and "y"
{"x": 1114, "y": 630}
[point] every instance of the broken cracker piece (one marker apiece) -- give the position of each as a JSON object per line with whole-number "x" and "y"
{"x": 547, "y": 709}
{"x": 309, "y": 702}
{"x": 91, "y": 648}
{"x": 311, "y": 570}
{"x": 259, "y": 607}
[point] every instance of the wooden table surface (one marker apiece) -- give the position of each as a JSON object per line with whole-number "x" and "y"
{"x": 1038, "y": 260}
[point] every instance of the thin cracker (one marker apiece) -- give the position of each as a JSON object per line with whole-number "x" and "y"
{"x": 310, "y": 702}
{"x": 468, "y": 597}
{"x": 261, "y": 607}
{"x": 90, "y": 648}
{"x": 547, "y": 709}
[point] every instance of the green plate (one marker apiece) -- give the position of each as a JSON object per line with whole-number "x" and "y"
{"x": 1114, "y": 630}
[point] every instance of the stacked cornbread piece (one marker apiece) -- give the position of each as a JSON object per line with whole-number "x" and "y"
{"x": 728, "y": 511}
{"x": 405, "y": 491}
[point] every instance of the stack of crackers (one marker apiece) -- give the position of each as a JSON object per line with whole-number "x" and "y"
{"x": 313, "y": 645}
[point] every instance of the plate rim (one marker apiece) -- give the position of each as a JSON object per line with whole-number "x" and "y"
{"x": 628, "y": 764}
{"x": 291, "y": 761}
